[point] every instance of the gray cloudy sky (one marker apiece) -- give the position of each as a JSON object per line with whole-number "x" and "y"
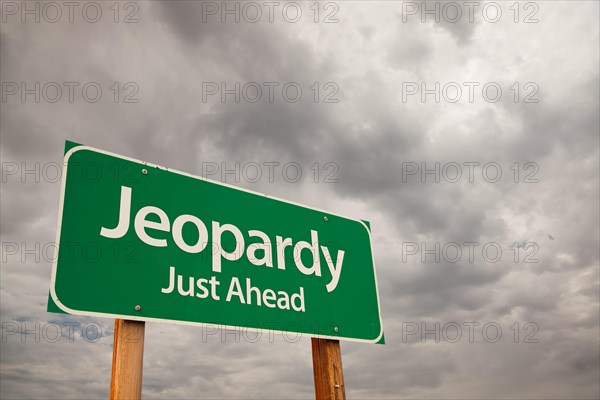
{"x": 517, "y": 94}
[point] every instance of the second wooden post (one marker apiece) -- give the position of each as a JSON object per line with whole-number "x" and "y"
{"x": 327, "y": 368}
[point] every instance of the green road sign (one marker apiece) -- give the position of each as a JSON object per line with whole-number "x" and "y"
{"x": 143, "y": 242}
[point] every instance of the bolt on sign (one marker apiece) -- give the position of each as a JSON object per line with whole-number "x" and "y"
{"x": 143, "y": 242}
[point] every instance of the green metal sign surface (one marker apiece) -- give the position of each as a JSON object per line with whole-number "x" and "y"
{"x": 139, "y": 241}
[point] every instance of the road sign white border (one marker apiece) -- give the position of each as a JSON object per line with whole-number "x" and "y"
{"x": 179, "y": 322}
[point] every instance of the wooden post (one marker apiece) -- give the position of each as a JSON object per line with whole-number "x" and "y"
{"x": 327, "y": 368}
{"x": 128, "y": 360}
